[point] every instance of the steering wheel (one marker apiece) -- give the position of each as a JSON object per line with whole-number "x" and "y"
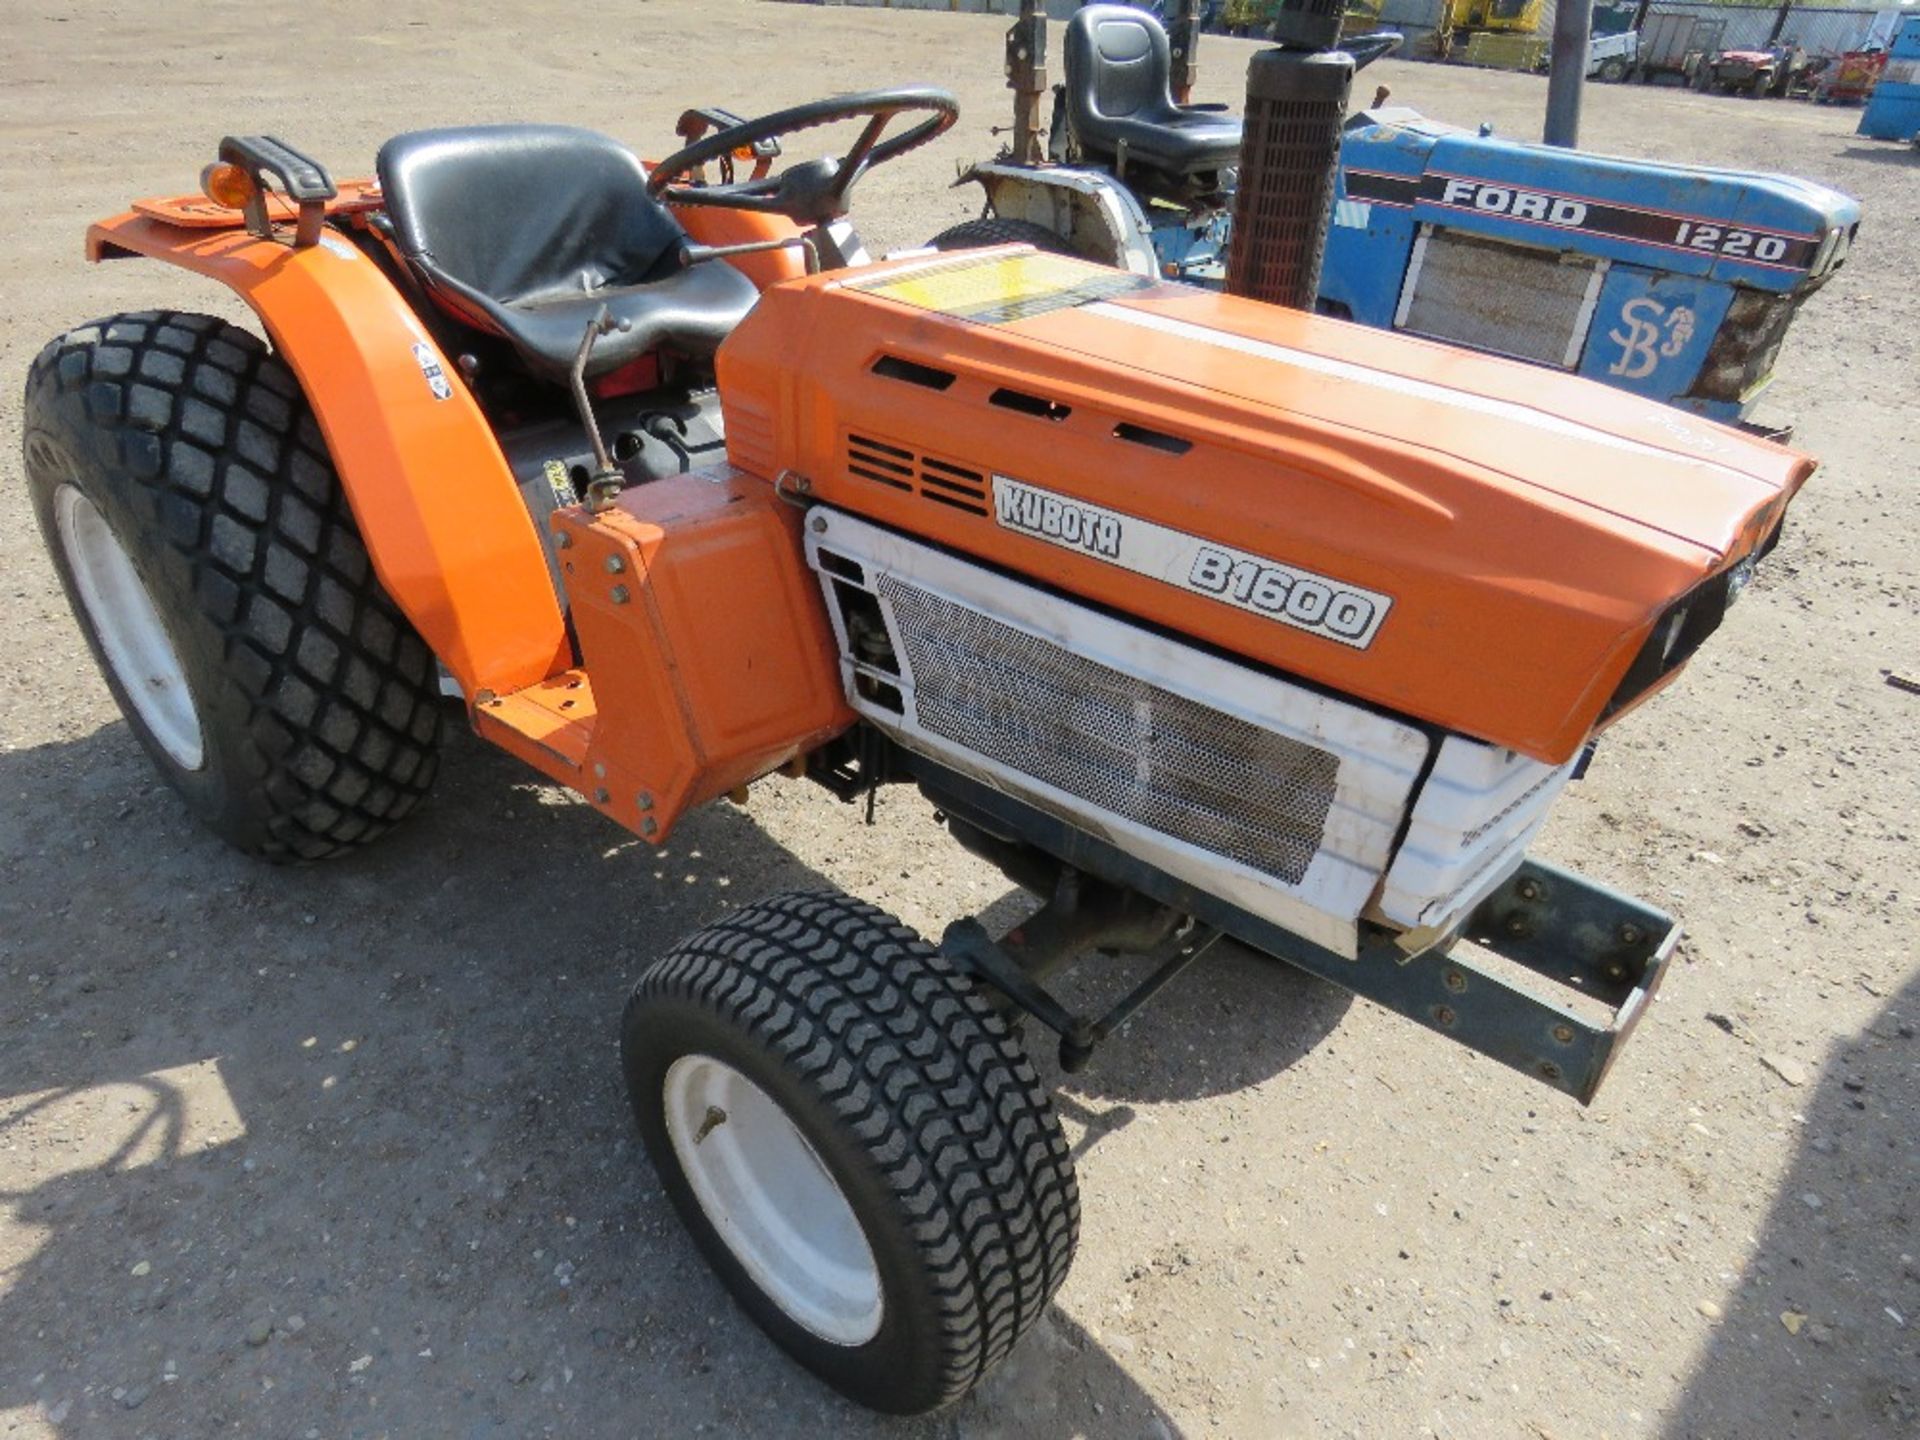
{"x": 812, "y": 192}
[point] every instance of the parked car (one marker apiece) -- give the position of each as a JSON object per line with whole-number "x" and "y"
{"x": 1743, "y": 72}
{"x": 1610, "y": 57}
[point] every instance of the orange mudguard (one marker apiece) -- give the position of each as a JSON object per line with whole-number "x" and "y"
{"x": 431, "y": 492}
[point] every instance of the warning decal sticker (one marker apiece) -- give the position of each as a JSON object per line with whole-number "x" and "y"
{"x": 430, "y": 367}
{"x": 999, "y": 289}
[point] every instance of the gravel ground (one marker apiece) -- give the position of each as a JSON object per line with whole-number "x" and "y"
{"x": 342, "y": 1152}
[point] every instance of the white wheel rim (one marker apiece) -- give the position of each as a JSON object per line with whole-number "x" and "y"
{"x": 135, "y": 642}
{"x": 766, "y": 1192}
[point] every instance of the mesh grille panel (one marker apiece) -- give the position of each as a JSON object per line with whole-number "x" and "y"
{"x": 1492, "y": 296}
{"x": 1158, "y": 759}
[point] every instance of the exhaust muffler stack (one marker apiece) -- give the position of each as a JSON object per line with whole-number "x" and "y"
{"x": 1290, "y": 153}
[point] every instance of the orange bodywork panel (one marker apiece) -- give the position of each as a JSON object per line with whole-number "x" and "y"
{"x": 706, "y": 656}
{"x": 710, "y": 657}
{"x": 431, "y": 492}
{"x": 197, "y": 212}
{"x": 1475, "y": 543}
{"x": 717, "y": 225}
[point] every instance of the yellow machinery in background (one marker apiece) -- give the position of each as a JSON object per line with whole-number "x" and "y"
{"x": 1498, "y": 33}
{"x": 1361, "y": 17}
{"x": 1503, "y": 34}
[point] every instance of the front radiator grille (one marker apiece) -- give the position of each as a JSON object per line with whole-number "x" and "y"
{"x": 1491, "y": 295}
{"x": 1113, "y": 740}
{"x": 1244, "y": 785}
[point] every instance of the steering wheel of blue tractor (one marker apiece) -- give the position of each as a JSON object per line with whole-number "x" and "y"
{"x": 811, "y": 192}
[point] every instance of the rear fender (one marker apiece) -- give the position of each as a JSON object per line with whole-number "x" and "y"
{"x": 1092, "y": 212}
{"x": 430, "y": 490}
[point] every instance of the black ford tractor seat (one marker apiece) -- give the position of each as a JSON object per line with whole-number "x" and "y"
{"x": 525, "y": 231}
{"x": 1118, "y": 66}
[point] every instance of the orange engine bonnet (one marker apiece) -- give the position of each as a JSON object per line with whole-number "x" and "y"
{"x": 1468, "y": 541}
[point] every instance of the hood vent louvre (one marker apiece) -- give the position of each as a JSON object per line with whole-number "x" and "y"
{"x": 946, "y": 482}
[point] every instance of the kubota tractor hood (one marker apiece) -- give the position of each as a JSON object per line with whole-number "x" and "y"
{"x": 1468, "y": 541}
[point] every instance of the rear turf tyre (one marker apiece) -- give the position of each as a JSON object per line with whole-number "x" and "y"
{"x": 206, "y": 548}
{"x": 1613, "y": 70}
{"x": 976, "y": 234}
{"x": 858, "y": 1145}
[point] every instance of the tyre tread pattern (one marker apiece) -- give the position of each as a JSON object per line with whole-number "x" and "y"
{"x": 926, "y": 1073}
{"x": 343, "y": 723}
{"x": 993, "y": 230}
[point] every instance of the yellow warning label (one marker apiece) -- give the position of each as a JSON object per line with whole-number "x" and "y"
{"x": 560, "y": 483}
{"x": 998, "y": 289}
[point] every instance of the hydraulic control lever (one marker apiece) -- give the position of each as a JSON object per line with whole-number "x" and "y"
{"x": 692, "y": 253}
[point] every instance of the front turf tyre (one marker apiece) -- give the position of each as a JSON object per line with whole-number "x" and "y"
{"x": 857, "y": 1143}
{"x": 208, "y": 553}
{"x": 977, "y": 234}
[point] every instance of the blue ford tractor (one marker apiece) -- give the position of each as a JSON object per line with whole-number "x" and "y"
{"x": 1676, "y": 282}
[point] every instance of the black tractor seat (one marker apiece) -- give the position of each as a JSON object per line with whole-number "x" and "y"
{"x": 525, "y": 231}
{"x": 1118, "y": 66}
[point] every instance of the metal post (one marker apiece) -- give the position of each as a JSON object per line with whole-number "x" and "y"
{"x": 1183, "y": 37}
{"x": 1572, "y": 22}
{"x": 1779, "y": 23}
{"x": 1027, "y": 78}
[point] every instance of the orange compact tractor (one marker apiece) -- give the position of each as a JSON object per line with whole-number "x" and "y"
{"x": 1197, "y": 616}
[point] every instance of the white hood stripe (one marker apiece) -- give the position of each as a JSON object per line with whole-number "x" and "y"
{"x": 1447, "y": 395}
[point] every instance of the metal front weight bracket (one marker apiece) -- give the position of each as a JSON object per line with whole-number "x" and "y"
{"x": 1579, "y": 937}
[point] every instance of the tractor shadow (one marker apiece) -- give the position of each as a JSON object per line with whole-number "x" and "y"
{"x": 1235, "y": 1019}
{"x": 1819, "y": 1338}
{"x": 345, "y": 1149}
{"x": 1884, "y": 152}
